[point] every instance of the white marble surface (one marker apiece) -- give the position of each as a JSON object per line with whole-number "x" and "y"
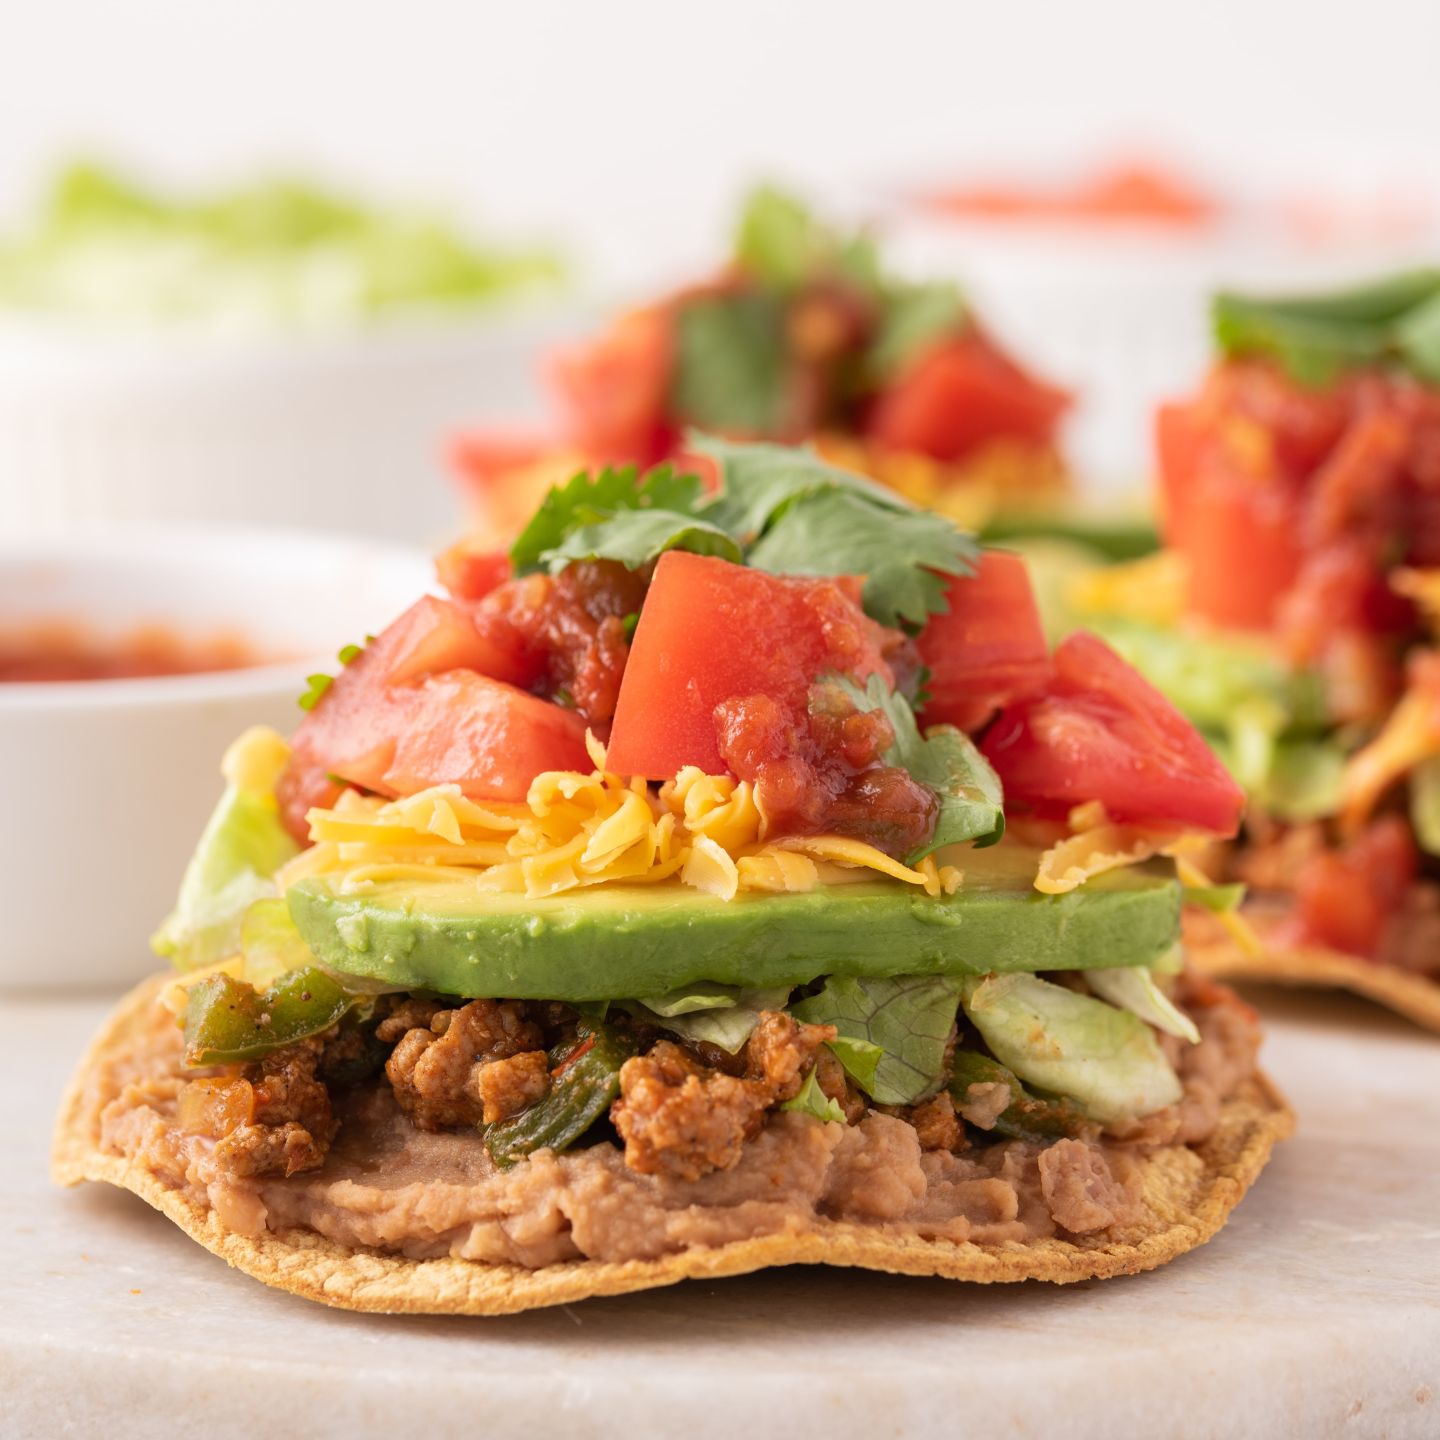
{"x": 1315, "y": 1313}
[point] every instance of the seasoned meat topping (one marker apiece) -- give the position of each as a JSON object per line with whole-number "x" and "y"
{"x": 680, "y": 1118}
{"x": 435, "y": 1069}
{"x": 273, "y": 1120}
{"x": 936, "y": 1123}
{"x": 506, "y": 1087}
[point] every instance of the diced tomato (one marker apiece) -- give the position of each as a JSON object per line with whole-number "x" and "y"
{"x": 1241, "y": 544}
{"x": 1345, "y": 898}
{"x": 1099, "y": 731}
{"x": 1179, "y": 443}
{"x": 988, "y": 648}
{"x": 1301, "y": 423}
{"x": 1229, "y": 509}
{"x": 711, "y": 631}
{"x": 960, "y": 395}
{"x": 568, "y": 632}
{"x": 615, "y": 389}
{"x": 471, "y": 572}
{"x": 486, "y": 457}
{"x": 431, "y": 636}
{"x": 488, "y": 738}
{"x": 412, "y": 710}
{"x": 1261, "y": 478}
{"x": 506, "y": 477}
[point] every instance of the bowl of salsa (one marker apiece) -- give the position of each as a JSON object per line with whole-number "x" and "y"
{"x": 125, "y": 660}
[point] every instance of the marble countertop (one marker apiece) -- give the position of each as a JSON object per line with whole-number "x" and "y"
{"x": 1316, "y": 1312}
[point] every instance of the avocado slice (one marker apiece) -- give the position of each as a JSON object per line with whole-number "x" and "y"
{"x": 614, "y": 941}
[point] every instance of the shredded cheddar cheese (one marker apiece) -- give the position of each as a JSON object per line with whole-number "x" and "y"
{"x": 575, "y": 830}
{"x": 1423, "y": 587}
{"x": 1151, "y": 588}
{"x": 1098, "y": 844}
{"x": 1238, "y": 927}
{"x": 1411, "y": 734}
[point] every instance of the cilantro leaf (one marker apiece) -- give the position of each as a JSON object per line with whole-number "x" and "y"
{"x": 812, "y": 1100}
{"x": 315, "y": 688}
{"x": 760, "y": 479}
{"x": 898, "y": 551}
{"x": 799, "y": 514}
{"x": 586, "y": 500}
{"x": 636, "y": 537}
{"x": 971, "y": 800}
{"x": 731, "y": 363}
{"x": 908, "y": 1018}
{"x": 805, "y": 516}
{"x": 775, "y": 239}
{"x": 915, "y": 317}
{"x": 1418, "y": 339}
{"x": 780, "y": 242}
{"x": 1317, "y": 337}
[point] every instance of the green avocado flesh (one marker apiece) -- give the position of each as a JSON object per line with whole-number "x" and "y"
{"x": 611, "y": 942}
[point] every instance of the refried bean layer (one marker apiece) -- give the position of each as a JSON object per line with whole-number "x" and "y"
{"x": 389, "y": 1185}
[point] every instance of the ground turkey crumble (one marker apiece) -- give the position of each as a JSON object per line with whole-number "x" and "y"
{"x": 704, "y": 1157}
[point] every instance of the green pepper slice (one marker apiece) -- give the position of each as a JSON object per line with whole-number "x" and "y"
{"x": 228, "y": 1021}
{"x": 1028, "y": 1116}
{"x": 584, "y": 1083}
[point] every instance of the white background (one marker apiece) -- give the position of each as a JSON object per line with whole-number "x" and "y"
{"x": 626, "y": 126}
{"x": 622, "y": 131}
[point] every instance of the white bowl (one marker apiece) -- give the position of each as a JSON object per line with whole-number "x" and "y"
{"x": 108, "y": 783}
{"x": 341, "y": 432}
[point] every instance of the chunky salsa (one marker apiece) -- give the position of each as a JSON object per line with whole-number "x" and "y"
{"x": 63, "y": 651}
{"x": 1300, "y": 493}
{"x": 801, "y": 336}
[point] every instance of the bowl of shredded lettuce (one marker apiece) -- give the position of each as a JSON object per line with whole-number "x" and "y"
{"x": 274, "y": 351}
{"x": 276, "y": 253}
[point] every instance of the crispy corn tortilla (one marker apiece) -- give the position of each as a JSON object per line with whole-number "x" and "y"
{"x": 1189, "y": 1194}
{"x": 1213, "y": 953}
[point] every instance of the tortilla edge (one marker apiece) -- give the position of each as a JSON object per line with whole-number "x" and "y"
{"x": 306, "y": 1264}
{"x": 1405, "y": 992}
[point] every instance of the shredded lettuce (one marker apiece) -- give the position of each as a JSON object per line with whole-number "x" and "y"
{"x": 1134, "y": 988}
{"x": 1304, "y": 781}
{"x": 275, "y": 252}
{"x": 722, "y": 1015}
{"x": 271, "y": 943}
{"x": 1425, "y": 804}
{"x": 1212, "y": 679}
{"x": 241, "y": 847}
{"x": 908, "y": 1019}
{"x": 812, "y": 1100}
{"x": 945, "y": 759}
{"x": 1107, "y": 1060}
